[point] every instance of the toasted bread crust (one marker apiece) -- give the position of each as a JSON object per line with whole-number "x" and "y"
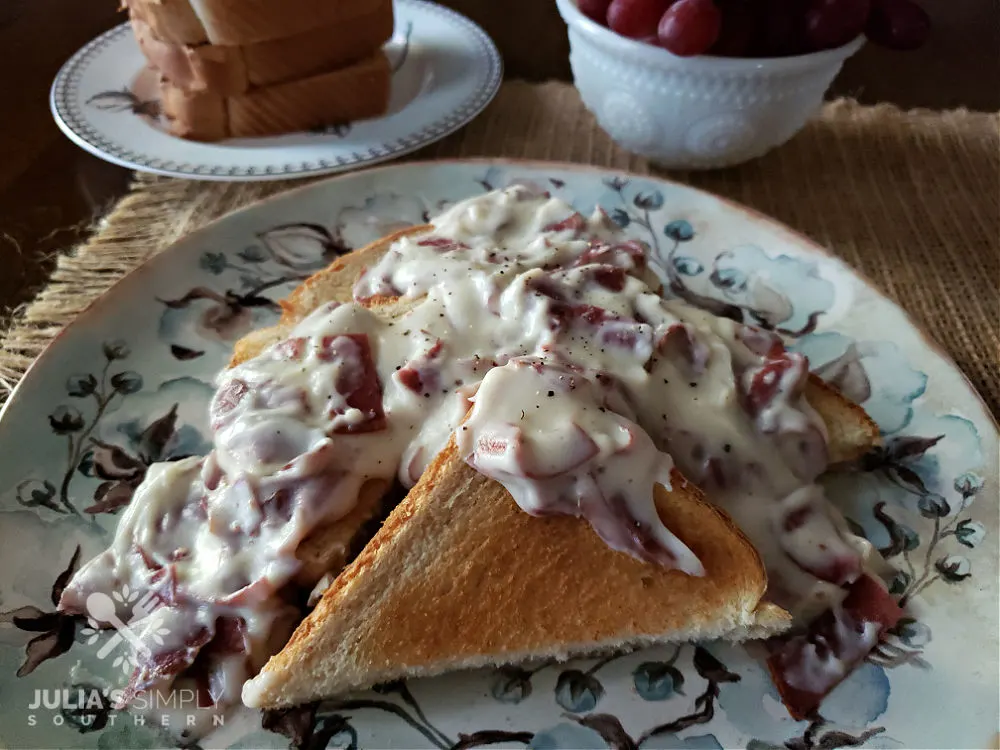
{"x": 239, "y": 22}
{"x": 335, "y": 283}
{"x": 850, "y": 431}
{"x": 231, "y": 70}
{"x": 358, "y": 91}
{"x": 459, "y": 576}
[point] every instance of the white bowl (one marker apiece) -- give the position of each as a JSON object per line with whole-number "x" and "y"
{"x": 694, "y": 112}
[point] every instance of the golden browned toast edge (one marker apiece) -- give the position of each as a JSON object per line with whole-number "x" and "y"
{"x": 850, "y": 431}
{"x": 333, "y": 283}
{"x": 358, "y": 91}
{"x": 459, "y": 577}
{"x": 238, "y": 22}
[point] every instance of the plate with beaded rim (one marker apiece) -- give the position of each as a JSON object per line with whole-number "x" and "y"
{"x": 446, "y": 69}
{"x": 128, "y": 384}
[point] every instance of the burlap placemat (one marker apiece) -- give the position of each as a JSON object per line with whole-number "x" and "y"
{"x": 910, "y": 199}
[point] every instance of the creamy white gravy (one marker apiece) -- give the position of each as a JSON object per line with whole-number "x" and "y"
{"x": 538, "y": 338}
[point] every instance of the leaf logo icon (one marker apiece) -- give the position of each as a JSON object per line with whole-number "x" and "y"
{"x": 91, "y": 632}
{"x": 158, "y": 635}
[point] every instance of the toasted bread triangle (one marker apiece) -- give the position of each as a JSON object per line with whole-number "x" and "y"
{"x": 460, "y": 577}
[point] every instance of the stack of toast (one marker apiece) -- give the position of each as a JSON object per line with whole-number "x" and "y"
{"x": 264, "y": 68}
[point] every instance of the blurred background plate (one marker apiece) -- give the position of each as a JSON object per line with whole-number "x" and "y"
{"x": 446, "y": 71}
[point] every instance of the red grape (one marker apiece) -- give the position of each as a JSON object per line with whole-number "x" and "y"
{"x": 636, "y": 19}
{"x": 690, "y": 27}
{"x": 898, "y": 24}
{"x": 595, "y": 10}
{"x": 833, "y": 23}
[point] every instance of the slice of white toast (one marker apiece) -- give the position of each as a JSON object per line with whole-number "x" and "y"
{"x": 509, "y": 586}
{"x": 355, "y": 92}
{"x": 234, "y": 69}
{"x": 460, "y": 577}
{"x": 240, "y": 22}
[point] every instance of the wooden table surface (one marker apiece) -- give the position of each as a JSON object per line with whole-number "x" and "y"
{"x": 51, "y": 191}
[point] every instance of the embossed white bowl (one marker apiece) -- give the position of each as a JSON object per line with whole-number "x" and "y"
{"x": 694, "y": 112}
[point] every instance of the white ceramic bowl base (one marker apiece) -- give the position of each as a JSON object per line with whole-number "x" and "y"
{"x": 698, "y": 112}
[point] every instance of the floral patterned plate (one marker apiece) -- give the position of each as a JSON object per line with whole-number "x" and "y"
{"x": 128, "y": 383}
{"x": 445, "y": 71}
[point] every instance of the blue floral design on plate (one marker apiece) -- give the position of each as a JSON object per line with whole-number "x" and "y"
{"x": 875, "y": 374}
{"x": 567, "y": 737}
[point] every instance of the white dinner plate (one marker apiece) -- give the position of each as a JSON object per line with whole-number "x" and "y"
{"x": 129, "y": 382}
{"x": 446, "y": 70}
